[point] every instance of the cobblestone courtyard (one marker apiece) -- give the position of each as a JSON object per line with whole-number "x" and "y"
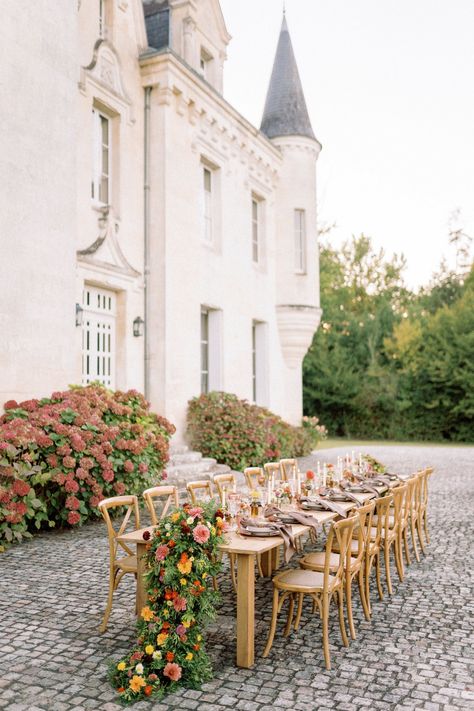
{"x": 417, "y": 653}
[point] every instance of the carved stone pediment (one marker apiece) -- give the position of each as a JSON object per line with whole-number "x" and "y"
{"x": 104, "y": 70}
{"x": 105, "y": 251}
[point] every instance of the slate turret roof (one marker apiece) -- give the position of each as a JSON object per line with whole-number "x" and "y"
{"x": 285, "y": 112}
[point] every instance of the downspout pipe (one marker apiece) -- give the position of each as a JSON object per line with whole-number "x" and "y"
{"x": 146, "y": 236}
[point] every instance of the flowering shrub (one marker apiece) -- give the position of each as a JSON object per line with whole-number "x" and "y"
{"x": 60, "y": 456}
{"x": 240, "y": 434}
{"x": 169, "y": 652}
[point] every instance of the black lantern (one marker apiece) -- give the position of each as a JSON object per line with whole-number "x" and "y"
{"x": 138, "y": 326}
{"x": 79, "y": 314}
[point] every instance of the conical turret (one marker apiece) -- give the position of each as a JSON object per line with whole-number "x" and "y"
{"x": 285, "y": 112}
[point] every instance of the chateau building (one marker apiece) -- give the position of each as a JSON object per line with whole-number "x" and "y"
{"x": 150, "y": 236}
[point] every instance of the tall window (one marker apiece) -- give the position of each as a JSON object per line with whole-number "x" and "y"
{"x": 255, "y": 230}
{"x": 100, "y": 190}
{"x": 300, "y": 241}
{"x": 205, "y": 60}
{"x": 204, "y": 351}
{"x": 259, "y": 363}
{"x": 207, "y": 204}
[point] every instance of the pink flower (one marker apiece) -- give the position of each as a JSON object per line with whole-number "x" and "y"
{"x": 52, "y": 460}
{"x": 161, "y": 552}
{"x": 73, "y": 503}
{"x": 172, "y": 671}
{"x": 180, "y": 630}
{"x": 108, "y": 475}
{"x": 201, "y": 534}
{"x": 71, "y": 486}
{"x": 128, "y": 466}
{"x": 164, "y": 475}
{"x": 81, "y": 473}
{"x": 73, "y": 518}
{"x": 142, "y": 468}
{"x": 69, "y": 462}
{"x": 179, "y": 604}
{"x": 94, "y": 501}
{"x": 119, "y": 487}
{"x": 195, "y": 511}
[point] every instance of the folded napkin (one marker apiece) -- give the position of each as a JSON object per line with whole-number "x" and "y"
{"x": 328, "y": 505}
{"x": 272, "y": 513}
{"x": 348, "y": 496}
{"x": 247, "y": 524}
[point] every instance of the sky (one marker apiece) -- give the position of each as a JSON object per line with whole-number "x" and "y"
{"x": 389, "y": 86}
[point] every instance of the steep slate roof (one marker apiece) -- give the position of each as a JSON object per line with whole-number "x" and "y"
{"x": 285, "y": 112}
{"x": 157, "y": 22}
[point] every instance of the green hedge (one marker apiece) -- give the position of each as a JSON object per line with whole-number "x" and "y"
{"x": 239, "y": 434}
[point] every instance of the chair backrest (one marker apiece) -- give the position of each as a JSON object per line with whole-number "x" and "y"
{"x": 365, "y": 514}
{"x": 225, "y": 483}
{"x": 424, "y": 476}
{"x": 165, "y": 495}
{"x": 131, "y": 504}
{"x": 340, "y": 531}
{"x": 199, "y": 490}
{"x": 252, "y": 475}
{"x": 287, "y": 467}
{"x": 273, "y": 469}
{"x": 409, "y": 499}
{"x": 399, "y": 497}
{"x": 382, "y": 509}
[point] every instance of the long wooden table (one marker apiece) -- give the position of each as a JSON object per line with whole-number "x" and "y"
{"x": 245, "y": 548}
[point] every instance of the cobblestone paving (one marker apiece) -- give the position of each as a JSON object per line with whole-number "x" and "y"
{"x": 417, "y": 653}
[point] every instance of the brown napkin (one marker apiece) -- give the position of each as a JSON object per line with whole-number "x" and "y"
{"x": 330, "y": 506}
{"x": 348, "y": 496}
{"x": 297, "y": 516}
{"x": 284, "y": 531}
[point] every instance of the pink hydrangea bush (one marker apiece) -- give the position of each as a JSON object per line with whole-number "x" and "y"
{"x": 60, "y": 456}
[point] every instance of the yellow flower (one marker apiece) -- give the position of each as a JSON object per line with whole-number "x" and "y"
{"x": 161, "y": 639}
{"x": 199, "y": 637}
{"x": 185, "y": 566}
{"x": 186, "y": 624}
{"x": 204, "y": 575}
{"x": 165, "y": 613}
{"x": 175, "y": 516}
{"x": 121, "y": 666}
{"x": 183, "y": 581}
{"x": 147, "y": 614}
{"x": 213, "y": 530}
{"x": 189, "y": 656}
{"x": 136, "y": 683}
{"x": 149, "y": 649}
{"x": 169, "y": 603}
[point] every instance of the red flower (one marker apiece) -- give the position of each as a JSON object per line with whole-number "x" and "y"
{"x": 73, "y": 503}
{"x": 20, "y": 487}
{"x": 108, "y": 475}
{"x": 71, "y": 486}
{"x": 310, "y": 474}
{"x": 73, "y": 518}
{"x": 69, "y": 462}
{"x": 128, "y": 466}
{"x": 169, "y": 656}
{"x": 146, "y": 535}
{"x": 148, "y": 690}
{"x": 10, "y": 405}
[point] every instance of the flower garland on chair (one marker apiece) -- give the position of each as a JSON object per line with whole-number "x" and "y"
{"x": 182, "y": 560}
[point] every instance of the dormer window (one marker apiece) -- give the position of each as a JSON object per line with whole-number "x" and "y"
{"x": 205, "y": 64}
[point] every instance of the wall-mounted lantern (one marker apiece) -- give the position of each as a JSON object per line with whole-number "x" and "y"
{"x": 79, "y": 315}
{"x": 138, "y": 326}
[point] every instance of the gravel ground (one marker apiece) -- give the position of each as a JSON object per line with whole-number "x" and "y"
{"x": 417, "y": 653}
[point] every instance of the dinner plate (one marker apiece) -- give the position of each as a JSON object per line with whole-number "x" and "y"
{"x": 261, "y": 532}
{"x": 312, "y": 507}
{"x": 338, "y": 497}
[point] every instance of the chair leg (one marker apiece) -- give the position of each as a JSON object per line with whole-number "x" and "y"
{"x": 399, "y": 556}
{"x": 377, "y": 575}
{"x": 362, "y": 592}
{"x": 108, "y": 609}
{"x": 368, "y": 570}
{"x": 325, "y": 618}
{"x": 405, "y": 545}
{"x": 232, "y": 571}
{"x": 350, "y": 617}
{"x": 259, "y": 565}
{"x": 299, "y": 610}
{"x": 420, "y": 533}
{"x": 273, "y": 624}
{"x": 290, "y": 616}
{"x": 342, "y": 624}
{"x": 413, "y": 539}
{"x": 425, "y": 526}
{"x": 386, "y": 552}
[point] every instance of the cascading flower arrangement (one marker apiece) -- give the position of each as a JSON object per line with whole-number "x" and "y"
{"x": 182, "y": 556}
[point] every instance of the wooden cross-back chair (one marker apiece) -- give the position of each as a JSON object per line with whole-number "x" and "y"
{"x": 321, "y": 586}
{"x": 273, "y": 468}
{"x": 408, "y": 518}
{"x": 119, "y": 566}
{"x": 199, "y": 490}
{"x": 391, "y": 533}
{"x": 422, "y": 521}
{"x": 356, "y": 566}
{"x": 224, "y": 482}
{"x": 167, "y": 496}
{"x": 252, "y": 476}
{"x": 287, "y": 467}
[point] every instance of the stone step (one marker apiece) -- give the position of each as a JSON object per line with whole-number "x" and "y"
{"x": 178, "y": 449}
{"x": 204, "y": 464}
{"x": 184, "y": 458}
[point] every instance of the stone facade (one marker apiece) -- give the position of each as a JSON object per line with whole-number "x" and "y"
{"x": 146, "y": 196}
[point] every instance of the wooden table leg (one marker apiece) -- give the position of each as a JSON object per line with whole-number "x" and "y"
{"x": 245, "y": 611}
{"x": 269, "y": 562}
{"x": 141, "y": 570}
